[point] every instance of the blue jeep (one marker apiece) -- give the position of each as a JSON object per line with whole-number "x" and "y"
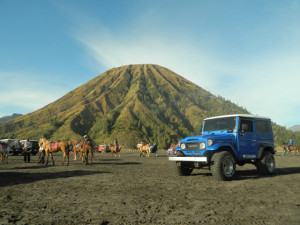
{"x": 226, "y": 141}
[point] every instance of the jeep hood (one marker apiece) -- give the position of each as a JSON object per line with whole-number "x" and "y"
{"x": 215, "y": 137}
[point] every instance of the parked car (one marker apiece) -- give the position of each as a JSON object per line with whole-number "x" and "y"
{"x": 226, "y": 141}
{"x": 101, "y": 148}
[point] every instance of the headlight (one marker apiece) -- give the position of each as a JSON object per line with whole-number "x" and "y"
{"x": 182, "y": 146}
{"x": 202, "y": 145}
{"x": 209, "y": 142}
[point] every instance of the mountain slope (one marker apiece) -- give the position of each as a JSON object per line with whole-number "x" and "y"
{"x": 295, "y": 128}
{"x": 132, "y": 103}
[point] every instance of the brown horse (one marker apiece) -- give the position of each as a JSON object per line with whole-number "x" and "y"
{"x": 76, "y": 148}
{"x": 116, "y": 151}
{"x": 143, "y": 148}
{"x": 61, "y": 146}
{"x": 287, "y": 150}
{"x": 87, "y": 149}
{"x": 294, "y": 148}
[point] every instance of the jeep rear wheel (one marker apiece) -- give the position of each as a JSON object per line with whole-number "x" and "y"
{"x": 184, "y": 169}
{"x": 266, "y": 165}
{"x": 223, "y": 166}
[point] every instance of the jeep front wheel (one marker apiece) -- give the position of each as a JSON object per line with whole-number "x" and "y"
{"x": 184, "y": 169}
{"x": 223, "y": 166}
{"x": 266, "y": 165}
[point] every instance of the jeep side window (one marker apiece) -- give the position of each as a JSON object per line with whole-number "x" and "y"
{"x": 263, "y": 126}
{"x": 246, "y": 125}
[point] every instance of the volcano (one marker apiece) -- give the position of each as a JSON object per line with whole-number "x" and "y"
{"x": 132, "y": 103}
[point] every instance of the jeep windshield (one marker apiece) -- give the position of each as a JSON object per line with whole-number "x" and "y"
{"x": 226, "y": 123}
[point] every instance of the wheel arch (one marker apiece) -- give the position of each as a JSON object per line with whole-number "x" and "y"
{"x": 226, "y": 148}
{"x": 265, "y": 147}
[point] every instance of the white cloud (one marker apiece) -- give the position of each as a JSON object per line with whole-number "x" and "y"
{"x": 113, "y": 49}
{"x": 26, "y": 92}
{"x": 267, "y": 86}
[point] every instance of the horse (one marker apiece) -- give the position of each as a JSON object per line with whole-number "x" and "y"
{"x": 76, "y": 148}
{"x": 87, "y": 149}
{"x": 60, "y": 146}
{"x": 114, "y": 150}
{"x": 143, "y": 148}
{"x": 4, "y": 150}
{"x": 294, "y": 148}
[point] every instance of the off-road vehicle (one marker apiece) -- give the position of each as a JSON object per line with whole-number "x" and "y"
{"x": 226, "y": 141}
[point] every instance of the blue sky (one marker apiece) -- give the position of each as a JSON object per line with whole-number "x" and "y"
{"x": 245, "y": 51}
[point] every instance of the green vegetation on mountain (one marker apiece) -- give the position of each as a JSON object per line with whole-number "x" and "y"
{"x": 132, "y": 103}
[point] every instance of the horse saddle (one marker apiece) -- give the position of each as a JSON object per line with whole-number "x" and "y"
{"x": 53, "y": 145}
{"x": 3, "y": 145}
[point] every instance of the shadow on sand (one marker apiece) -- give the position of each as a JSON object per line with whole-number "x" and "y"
{"x": 15, "y": 178}
{"x": 252, "y": 174}
{"x": 117, "y": 164}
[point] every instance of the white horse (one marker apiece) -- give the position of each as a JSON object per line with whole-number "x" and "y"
{"x": 4, "y": 150}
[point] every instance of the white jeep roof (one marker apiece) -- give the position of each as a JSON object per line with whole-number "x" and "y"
{"x": 239, "y": 115}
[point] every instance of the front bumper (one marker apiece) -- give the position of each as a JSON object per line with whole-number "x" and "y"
{"x": 188, "y": 159}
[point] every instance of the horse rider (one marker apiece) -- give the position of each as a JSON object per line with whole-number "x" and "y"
{"x": 26, "y": 150}
{"x": 154, "y": 149}
{"x": 86, "y": 139}
{"x": 291, "y": 143}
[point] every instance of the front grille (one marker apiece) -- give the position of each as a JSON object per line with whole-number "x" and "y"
{"x": 193, "y": 146}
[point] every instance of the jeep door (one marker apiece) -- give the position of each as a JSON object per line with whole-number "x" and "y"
{"x": 247, "y": 143}
{"x": 264, "y": 133}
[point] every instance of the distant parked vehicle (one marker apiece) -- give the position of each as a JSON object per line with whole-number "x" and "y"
{"x": 103, "y": 149}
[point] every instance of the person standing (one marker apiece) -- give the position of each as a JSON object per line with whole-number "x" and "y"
{"x": 41, "y": 155}
{"x": 116, "y": 144}
{"x": 26, "y": 150}
{"x": 105, "y": 147}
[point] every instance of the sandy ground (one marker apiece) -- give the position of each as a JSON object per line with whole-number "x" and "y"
{"x": 134, "y": 190}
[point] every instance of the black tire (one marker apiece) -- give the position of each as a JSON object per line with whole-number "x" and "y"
{"x": 223, "y": 166}
{"x": 266, "y": 165}
{"x": 184, "y": 169}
